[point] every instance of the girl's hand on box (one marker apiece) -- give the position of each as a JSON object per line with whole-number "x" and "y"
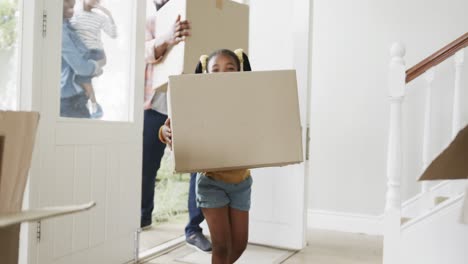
{"x": 166, "y": 132}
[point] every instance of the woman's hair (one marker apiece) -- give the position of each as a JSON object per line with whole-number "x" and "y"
{"x": 239, "y": 57}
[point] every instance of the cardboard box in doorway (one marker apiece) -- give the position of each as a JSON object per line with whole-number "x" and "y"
{"x": 215, "y": 24}
{"x": 235, "y": 120}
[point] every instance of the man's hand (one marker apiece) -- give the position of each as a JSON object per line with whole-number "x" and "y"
{"x": 180, "y": 30}
{"x": 177, "y": 33}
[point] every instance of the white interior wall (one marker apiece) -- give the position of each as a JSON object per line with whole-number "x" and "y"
{"x": 270, "y": 37}
{"x": 278, "y": 40}
{"x": 350, "y": 105}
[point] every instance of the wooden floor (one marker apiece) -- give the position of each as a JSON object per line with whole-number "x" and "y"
{"x": 324, "y": 247}
{"x": 158, "y": 234}
{"x": 329, "y": 247}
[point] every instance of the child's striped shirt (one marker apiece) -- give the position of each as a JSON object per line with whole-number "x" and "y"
{"x": 88, "y": 25}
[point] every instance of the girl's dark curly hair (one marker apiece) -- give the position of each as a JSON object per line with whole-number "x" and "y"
{"x": 226, "y": 52}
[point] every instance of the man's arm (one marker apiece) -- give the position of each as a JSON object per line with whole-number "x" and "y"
{"x": 151, "y": 42}
{"x": 76, "y": 60}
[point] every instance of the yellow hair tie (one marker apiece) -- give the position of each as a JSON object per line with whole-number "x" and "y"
{"x": 240, "y": 54}
{"x": 203, "y": 61}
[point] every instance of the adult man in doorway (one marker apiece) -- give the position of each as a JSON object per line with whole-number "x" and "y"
{"x": 74, "y": 62}
{"x": 155, "y": 115}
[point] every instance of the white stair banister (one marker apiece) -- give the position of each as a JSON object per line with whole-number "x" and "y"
{"x": 457, "y": 121}
{"x": 426, "y": 151}
{"x": 456, "y": 115}
{"x": 397, "y": 85}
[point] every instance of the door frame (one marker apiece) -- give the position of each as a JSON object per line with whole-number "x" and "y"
{"x": 30, "y": 73}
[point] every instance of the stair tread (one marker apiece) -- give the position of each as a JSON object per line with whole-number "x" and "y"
{"x": 405, "y": 220}
{"x": 440, "y": 199}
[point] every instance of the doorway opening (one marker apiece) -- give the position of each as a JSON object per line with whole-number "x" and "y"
{"x": 170, "y": 214}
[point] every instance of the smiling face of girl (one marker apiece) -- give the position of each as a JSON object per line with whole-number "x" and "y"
{"x": 222, "y": 63}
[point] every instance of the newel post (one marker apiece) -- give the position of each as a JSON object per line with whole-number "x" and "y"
{"x": 396, "y": 85}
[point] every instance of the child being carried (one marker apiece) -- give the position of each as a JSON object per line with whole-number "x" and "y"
{"x": 88, "y": 25}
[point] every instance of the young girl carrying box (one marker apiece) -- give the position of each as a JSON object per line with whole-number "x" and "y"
{"x": 224, "y": 196}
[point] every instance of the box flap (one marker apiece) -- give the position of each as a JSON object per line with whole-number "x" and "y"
{"x": 452, "y": 163}
{"x": 162, "y": 88}
{"x": 17, "y": 134}
{"x": 18, "y": 131}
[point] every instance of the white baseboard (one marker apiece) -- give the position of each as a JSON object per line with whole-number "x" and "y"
{"x": 345, "y": 222}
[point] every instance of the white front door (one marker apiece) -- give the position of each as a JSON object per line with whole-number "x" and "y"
{"x": 78, "y": 160}
{"x": 279, "y": 39}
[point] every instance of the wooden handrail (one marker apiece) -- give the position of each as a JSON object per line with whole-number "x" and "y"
{"x": 436, "y": 58}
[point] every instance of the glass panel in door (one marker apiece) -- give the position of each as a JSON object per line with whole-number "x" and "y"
{"x": 10, "y": 31}
{"x": 96, "y": 69}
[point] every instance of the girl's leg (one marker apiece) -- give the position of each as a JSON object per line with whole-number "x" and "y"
{"x": 239, "y": 232}
{"x": 220, "y": 231}
{"x": 89, "y": 90}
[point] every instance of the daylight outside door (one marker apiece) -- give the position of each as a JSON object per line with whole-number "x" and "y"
{"x": 11, "y": 16}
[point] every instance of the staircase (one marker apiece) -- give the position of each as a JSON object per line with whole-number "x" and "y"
{"x": 426, "y": 228}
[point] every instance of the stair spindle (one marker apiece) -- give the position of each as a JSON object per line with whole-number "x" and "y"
{"x": 426, "y": 151}
{"x": 456, "y": 120}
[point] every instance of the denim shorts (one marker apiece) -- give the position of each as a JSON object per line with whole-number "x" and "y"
{"x": 215, "y": 194}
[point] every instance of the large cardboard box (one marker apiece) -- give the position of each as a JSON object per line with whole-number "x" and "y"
{"x": 215, "y": 24}
{"x": 17, "y": 136}
{"x": 234, "y": 120}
